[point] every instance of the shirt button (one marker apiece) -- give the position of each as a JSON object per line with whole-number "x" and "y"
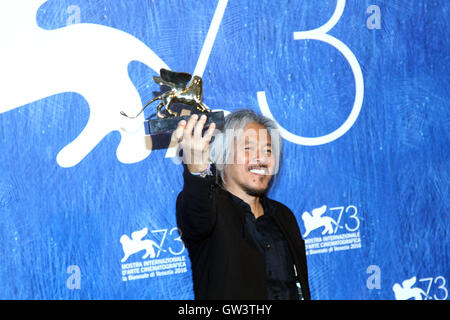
{"x": 267, "y": 245}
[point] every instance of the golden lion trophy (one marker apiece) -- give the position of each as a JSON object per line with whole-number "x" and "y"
{"x": 180, "y": 92}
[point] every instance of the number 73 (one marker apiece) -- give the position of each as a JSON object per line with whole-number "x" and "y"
{"x": 442, "y": 287}
{"x": 173, "y": 232}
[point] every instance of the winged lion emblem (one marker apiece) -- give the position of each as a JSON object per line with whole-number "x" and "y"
{"x": 180, "y": 92}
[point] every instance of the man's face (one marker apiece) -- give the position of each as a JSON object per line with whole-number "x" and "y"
{"x": 252, "y": 164}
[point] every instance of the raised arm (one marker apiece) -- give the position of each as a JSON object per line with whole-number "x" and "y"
{"x": 195, "y": 209}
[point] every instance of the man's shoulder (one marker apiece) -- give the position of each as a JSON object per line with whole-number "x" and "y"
{"x": 280, "y": 206}
{"x": 286, "y": 217}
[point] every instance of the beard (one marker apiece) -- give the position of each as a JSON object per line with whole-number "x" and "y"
{"x": 247, "y": 184}
{"x": 255, "y": 192}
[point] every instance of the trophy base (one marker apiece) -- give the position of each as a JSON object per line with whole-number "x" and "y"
{"x": 168, "y": 125}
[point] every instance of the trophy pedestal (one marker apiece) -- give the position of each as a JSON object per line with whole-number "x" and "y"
{"x": 168, "y": 125}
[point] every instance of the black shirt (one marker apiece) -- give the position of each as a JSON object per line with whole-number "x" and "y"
{"x": 267, "y": 237}
{"x": 225, "y": 264}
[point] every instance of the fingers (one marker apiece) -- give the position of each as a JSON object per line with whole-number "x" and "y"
{"x": 187, "y": 134}
{"x": 195, "y": 147}
{"x": 177, "y": 135}
{"x": 192, "y": 129}
{"x": 209, "y": 133}
{"x": 199, "y": 127}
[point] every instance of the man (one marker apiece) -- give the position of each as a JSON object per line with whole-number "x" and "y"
{"x": 242, "y": 245}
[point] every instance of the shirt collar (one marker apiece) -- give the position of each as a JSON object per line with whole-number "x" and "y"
{"x": 267, "y": 206}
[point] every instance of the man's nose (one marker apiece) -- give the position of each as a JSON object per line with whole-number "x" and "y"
{"x": 261, "y": 157}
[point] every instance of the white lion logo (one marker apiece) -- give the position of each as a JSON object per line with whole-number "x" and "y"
{"x": 85, "y": 58}
{"x": 406, "y": 290}
{"x": 136, "y": 244}
{"x": 316, "y": 221}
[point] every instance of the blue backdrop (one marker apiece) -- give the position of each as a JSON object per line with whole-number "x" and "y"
{"x": 359, "y": 88}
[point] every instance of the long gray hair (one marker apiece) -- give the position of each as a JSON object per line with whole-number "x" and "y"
{"x": 223, "y": 145}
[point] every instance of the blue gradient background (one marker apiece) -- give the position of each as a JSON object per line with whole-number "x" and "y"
{"x": 393, "y": 164}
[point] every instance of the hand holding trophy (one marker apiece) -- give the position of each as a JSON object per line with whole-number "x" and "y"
{"x": 195, "y": 146}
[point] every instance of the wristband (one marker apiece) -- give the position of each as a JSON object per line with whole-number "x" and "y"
{"x": 204, "y": 173}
